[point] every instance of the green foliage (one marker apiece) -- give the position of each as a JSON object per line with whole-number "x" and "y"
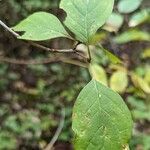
{"x": 119, "y": 81}
{"x": 128, "y": 6}
{"x": 85, "y": 19}
{"x": 100, "y": 118}
{"x": 83, "y": 28}
{"x": 98, "y": 73}
{"x": 37, "y": 91}
{"x": 140, "y": 109}
{"x": 7, "y": 141}
{"x": 41, "y": 26}
{"x": 132, "y": 35}
{"x": 113, "y": 58}
{"x": 114, "y": 22}
{"x": 139, "y": 17}
{"x": 26, "y": 7}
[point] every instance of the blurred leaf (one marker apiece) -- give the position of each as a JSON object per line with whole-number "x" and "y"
{"x": 146, "y": 142}
{"x": 49, "y": 108}
{"x": 38, "y": 69}
{"x": 140, "y": 83}
{"x": 12, "y": 124}
{"x": 99, "y": 113}
{"x": 147, "y": 75}
{"x": 47, "y": 122}
{"x": 132, "y": 35}
{"x": 41, "y": 26}
{"x": 114, "y": 22}
{"x": 7, "y": 141}
{"x": 117, "y": 67}
{"x": 140, "y": 110}
{"x": 137, "y": 114}
{"x": 140, "y": 140}
{"x": 119, "y": 81}
{"x": 114, "y": 59}
{"x": 140, "y": 70}
{"x": 97, "y": 38}
{"x": 146, "y": 53}
{"x": 3, "y": 109}
{"x": 128, "y": 6}
{"x": 25, "y": 124}
{"x": 137, "y": 103}
{"x": 139, "y": 17}
{"x": 3, "y": 69}
{"x": 3, "y": 84}
{"x": 98, "y": 73}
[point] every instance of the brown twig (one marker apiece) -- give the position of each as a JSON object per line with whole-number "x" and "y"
{"x": 43, "y": 47}
{"x": 89, "y": 54}
{"x": 9, "y": 29}
{"x": 58, "y": 131}
{"x": 45, "y": 61}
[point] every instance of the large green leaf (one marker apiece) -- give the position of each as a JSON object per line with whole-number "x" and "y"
{"x": 101, "y": 120}
{"x": 41, "y": 26}
{"x": 85, "y": 17}
{"x": 128, "y": 6}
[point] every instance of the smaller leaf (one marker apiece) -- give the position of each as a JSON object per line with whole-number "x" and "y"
{"x": 98, "y": 73}
{"x": 132, "y": 35}
{"x": 144, "y": 115}
{"x": 114, "y": 22}
{"x": 41, "y": 26}
{"x": 119, "y": 81}
{"x": 128, "y": 6}
{"x": 137, "y": 103}
{"x": 97, "y": 38}
{"x": 139, "y": 17}
{"x": 147, "y": 75}
{"x": 140, "y": 83}
{"x": 114, "y": 59}
{"x": 146, "y": 53}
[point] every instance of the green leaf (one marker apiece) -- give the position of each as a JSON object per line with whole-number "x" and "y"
{"x": 85, "y": 17}
{"x": 119, "y": 81}
{"x": 41, "y": 26}
{"x": 147, "y": 75}
{"x": 132, "y": 35}
{"x": 146, "y": 53}
{"x": 140, "y": 83}
{"x": 142, "y": 115}
{"x": 114, "y": 22}
{"x": 101, "y": 120}
{"x": 114, "y": 59}
{"x": 128, "y": 6}
{"x": 139, "y": 17}
{"x": 98, "y": 37}
{"x": 7, "y": 140}
{"x": 136, "y": 103}
{"x": 98, "y": 73}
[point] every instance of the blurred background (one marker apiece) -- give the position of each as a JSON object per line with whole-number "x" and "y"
{"x": 31, "y": 95}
